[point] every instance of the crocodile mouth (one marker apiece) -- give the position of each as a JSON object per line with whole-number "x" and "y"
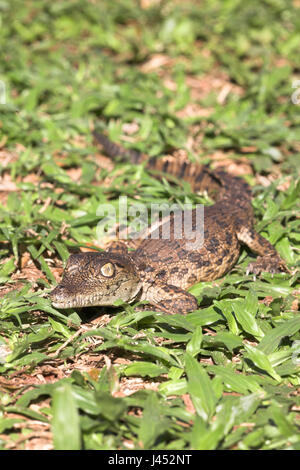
{"x": 62, "y": 304}
{"x": 62, "y": 298}
{"x": 78, "y": 301}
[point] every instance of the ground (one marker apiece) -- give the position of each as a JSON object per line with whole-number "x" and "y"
{"x": 214, "y": 81}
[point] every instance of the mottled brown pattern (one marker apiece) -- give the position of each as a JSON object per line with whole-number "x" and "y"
{"x": 160, "y": 270}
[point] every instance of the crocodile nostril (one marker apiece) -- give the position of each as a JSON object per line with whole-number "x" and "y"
{"x": 57, "y": 291}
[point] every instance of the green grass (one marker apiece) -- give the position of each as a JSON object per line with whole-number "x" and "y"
{"x": 223, "y": 377}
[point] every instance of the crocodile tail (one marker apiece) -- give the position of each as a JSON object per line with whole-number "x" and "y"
{"x": 200, "y": 177}
{"x": 216, "y": 183}
{"x": 115, "y": 150}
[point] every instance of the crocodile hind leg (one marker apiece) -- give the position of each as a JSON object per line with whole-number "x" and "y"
{"x": 268, "y": 259}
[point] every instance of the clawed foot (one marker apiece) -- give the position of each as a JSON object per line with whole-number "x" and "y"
{"x": 267, "y": 264}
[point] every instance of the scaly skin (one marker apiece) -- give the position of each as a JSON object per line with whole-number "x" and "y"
{"x": 160, "y": 270}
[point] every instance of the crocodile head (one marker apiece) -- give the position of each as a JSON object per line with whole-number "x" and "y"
{"x": 92, "y": 278}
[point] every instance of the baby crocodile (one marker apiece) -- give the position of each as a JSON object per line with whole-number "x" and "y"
{"x": 160, "y": 270}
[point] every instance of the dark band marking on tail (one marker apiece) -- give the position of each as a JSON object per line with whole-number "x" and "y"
{"x": 183, "y": 167}
{"x": 115, "y": 150}
{"x": 165, "y": 166}
{"x": 152, "y": 162}
{"x": 199, "y": 177}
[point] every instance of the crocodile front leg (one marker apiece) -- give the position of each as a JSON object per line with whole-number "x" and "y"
{"x": 169, "y": 299}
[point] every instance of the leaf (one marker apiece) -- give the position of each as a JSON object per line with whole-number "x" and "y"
{"x": 110, "y": 407}
{"x": 229, "y": 413}
{"x": 44, "y": 305}
{"x": 145, "y": 369}
{"x": 245, "y": 314}
{"x": 20, "y": 410}
{"x": 285, "y": 250}
{"x": 227, "y": 338}
{"x": 60, "y": 328}
{"x": 279, "y": 416}
{"x": 65, "y": 420}
{"x": 55, "y": 172}
{"x": 32, "y": 358}
{"x": 7, "y": 423}
{"x": 200, "y": 388}
{"x": 271, "y": 340}
{"x": 153, "y": 422}
{"x": 225, "y": 306}
{"x": 203, "y": 438}
{"x": 149, "y": 349}
{"x": 174, "y": 387}
{"x": 205, "y": 317}
{"x": 261, "y": 360}
{"x": 235, "y": 381}
{"x": 6, "y": 269}
{"x": 178, "y": 321}
{"x": 194, "y": 345}
{"x": 86, "y": 400}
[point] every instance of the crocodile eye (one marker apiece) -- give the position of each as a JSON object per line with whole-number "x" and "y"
{"x": 108, "y": 270}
